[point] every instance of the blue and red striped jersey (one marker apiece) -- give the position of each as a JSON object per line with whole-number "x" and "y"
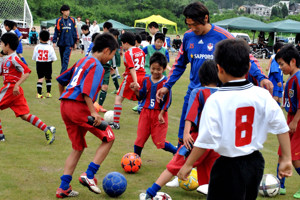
{"x": 292, "y": 94}
{"x": 195, "y": 49}
{"x": 85, "y": 77}
{"x": 148, "y": 94}
{"x": 255, "y": 74}
{"x": 196, "y": 103}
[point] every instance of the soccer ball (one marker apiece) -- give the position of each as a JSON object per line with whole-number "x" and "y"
{"x": 131, "y": 162}
{"x": 191, "y": 183}
{"x": 162, "y": 196}
{"x": 269, "y": 185}
{"x": 114, "y": 184}
{"x": 109, "y": 116}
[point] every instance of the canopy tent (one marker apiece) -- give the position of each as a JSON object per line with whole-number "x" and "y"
{"x": 245, "y": 23}
{"x": 118, "y": 25}
{"x": 286, "y": 26}
{"x": 156, "y": 18}
{"x": 48, "y": 23}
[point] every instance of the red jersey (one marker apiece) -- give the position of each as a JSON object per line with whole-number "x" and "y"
{"x": 134, "y": 58}
{"x": 13, "y": 68}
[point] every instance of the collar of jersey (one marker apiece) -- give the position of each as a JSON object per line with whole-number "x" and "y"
{"x": 236, "y": 85}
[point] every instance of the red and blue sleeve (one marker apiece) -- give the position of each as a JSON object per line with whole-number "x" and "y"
{"x": 143, "y": 90}
{"x": 65, "y": 78}
{"x": 256, "y": 71}
{"x": 192, "y": 113}
{"x": 167, "y": 101}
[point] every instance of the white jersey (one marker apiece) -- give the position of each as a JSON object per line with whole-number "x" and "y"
{"x": 44, "y": 52}
{"x": 95, "y": 29}
{"x": 236, "y": 119}
{"x": 86, "y": 41}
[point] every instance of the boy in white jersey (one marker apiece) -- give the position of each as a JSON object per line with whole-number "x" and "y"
{"x": 44, "y": 55}
{"x": 231, "y": 125}
{"x": 86, "y": 38}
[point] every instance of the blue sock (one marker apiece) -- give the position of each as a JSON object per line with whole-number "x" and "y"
{"x": 24, "y": 61}
{"x": 65, "y": 181}
{"x": 153, "y": 190}
{"x": 169, "y": 147}
{"x": 281, "y": 180}
{"x": 138, "y": 150}
{"x": 298, "y": 170}
{"x": 92, "y": 170}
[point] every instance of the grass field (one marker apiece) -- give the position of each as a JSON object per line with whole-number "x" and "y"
{"x": 30, "y": 169}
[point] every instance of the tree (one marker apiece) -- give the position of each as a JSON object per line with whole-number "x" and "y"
{"x": 284, "y": 11}
{"x": 212, "y": 7}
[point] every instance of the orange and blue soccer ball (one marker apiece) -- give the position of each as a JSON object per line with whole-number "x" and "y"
{"x": 131, "y": 162}
{"x": 114, "y": 184}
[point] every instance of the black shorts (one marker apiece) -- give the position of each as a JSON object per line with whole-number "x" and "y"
{"x": 44, "y": 69}
{"x": 236, "y": 178}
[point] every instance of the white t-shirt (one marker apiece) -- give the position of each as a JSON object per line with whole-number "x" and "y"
{"x": 94, "y": 29}
{"x": 44, "y": 52}
{"x": 236, "y": 119}
{"x": 86, "y": 41}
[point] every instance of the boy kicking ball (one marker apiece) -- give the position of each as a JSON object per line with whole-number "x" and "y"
{"x": 14, "y": 73}
{"x": 231, "y": 125}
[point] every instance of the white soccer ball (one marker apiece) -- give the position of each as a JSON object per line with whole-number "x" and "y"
{"x": 162, "y": 196}
{"x": 269, "y": 185}
{"x": 109, "y": 116}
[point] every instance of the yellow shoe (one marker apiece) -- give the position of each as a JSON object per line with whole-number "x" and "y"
{"x": 39, "y": 96}
{"x": 48, "y": 95}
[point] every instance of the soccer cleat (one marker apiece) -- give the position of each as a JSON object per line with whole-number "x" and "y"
{"x": 145, "y": 196}
{"x": 173, "y": 183}
{"x": 2, "y": 138}
{"x": 60, "y": 193}
{"x": 135, "y": 108}
{"x": 114, "y": 92}
{"x": 39, "y": 96}
{"x": 115, "y": 125}
{"x": 48, "y": 95}
{"x": 118, "y": 76}
{"x": 50, "y": 134}
{"x": 101, "y": 109}
{"x": 90, "y": 183}
{"x": 297, "y": 195}
{"x": 282, "y": 191}
{"x": 203, "y": 189}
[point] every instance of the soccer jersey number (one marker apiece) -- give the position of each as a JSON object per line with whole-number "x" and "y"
{"x": 75, "y": 79}
{"x": 243, "y": 126}
{"x": 138, "y": 64}
{"x": 43, "y": 55}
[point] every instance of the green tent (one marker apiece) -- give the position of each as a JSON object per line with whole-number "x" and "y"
{"x": 118, "y": 25}
{"x": 286, "y": 26}
{"x": 245, "y": 23}
{"x": 48, "y": 23}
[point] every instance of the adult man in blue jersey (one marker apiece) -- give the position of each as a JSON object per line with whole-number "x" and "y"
{"x": 198, "y": 45}
{"x": 65, "y": 31}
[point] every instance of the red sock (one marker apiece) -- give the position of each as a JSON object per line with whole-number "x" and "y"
{"x": 117, "y": 112}
{"x": 34, "y": 120}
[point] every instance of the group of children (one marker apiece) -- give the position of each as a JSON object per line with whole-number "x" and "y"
{"x": 224, "y": 136}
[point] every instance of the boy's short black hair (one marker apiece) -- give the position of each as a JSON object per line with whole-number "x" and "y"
{"x": 208, "y": 73}
{"x": 44, "y": 35}
{"x": 153, "y": 24}
{"x": 128, "y": 37}
{"x": 138, "y": 38}
{"x": 159, "y": 58}
{"x": 160, "y": 36}
{"x": 196, "y": 11}
{"x": 94, "y": 36}
{"x": 107, "y": 25}
{"x": 149, "y": 38}
{"x": 84, "y": 27}
{"x": 105, "y": 40}
{"x": 64, "y": 8}
{"x": 278, "y": 46}
{"x": 233, "y": 56}
{"x": 9, "y": 24}
{"x": 114, "y": 31}
{"x": 287, "y": 53}
{"x": 11, "y": 39}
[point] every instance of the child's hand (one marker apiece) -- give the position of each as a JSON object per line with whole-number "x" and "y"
{"x": 161, "y": 119}
{"x": 97, "y": 117}
{"x": 293, "y": 126}
{"x": 132, "y": 86}
{"x": 184, "y": 172}
{"x": 16, "y": 91}
{"x": 279, "y": 84}
{"x": 187, "y": 140}
{"x": 135, "y": 85}
{"x": 81, "y": 51}
{"x": 285, "y": 169}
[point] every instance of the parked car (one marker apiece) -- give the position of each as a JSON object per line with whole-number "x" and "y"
{"x": 244, "y": 36}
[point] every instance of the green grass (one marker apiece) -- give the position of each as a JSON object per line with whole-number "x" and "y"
{"x": 30, "y": 169}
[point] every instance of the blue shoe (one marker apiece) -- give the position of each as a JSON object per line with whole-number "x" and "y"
{"x": 2, "y": 138}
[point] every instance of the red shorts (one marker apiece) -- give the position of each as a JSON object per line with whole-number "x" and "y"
{"x": 295, "y": 140}
{"x": 203, "y": 164}
{"x": 17, "y": 103}
{"x": 149, "y": 125}
{"x": 74, "y": 114}
{"x": 124, "y": 89}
